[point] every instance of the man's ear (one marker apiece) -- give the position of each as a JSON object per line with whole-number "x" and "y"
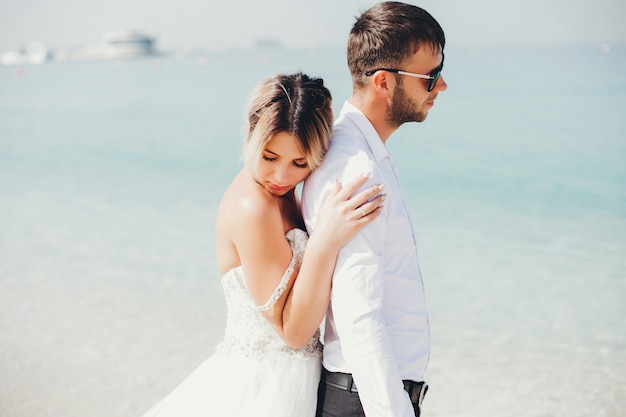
{"x": 383, "y": 82}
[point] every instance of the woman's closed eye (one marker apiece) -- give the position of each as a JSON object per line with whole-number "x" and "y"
{"x": 298, "y": 163}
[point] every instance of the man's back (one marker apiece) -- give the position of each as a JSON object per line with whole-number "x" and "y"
{"x": 377, "y": 324}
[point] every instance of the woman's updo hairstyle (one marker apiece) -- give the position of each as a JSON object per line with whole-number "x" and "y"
{"x": 296, "y": 104}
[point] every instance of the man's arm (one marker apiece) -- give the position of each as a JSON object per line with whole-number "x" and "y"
{"x": 357, "y": 302}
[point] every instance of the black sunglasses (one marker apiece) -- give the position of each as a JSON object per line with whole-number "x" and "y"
{"x": 433, "y": 76}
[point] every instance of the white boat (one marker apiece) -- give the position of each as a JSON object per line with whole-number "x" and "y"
{"x": 115, "y": 45}
{"x": 32, "y": 54}
{"x": 128, "y": 43}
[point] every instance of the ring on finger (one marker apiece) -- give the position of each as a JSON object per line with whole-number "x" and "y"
{"x": 362, "y": 212}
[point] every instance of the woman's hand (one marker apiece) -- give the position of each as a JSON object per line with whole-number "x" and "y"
{"x": 342, "y": 217}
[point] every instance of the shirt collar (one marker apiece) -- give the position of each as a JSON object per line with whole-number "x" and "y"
{"x": 372, "y": 138}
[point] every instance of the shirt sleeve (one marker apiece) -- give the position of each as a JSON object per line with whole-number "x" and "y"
{"x": 357, "y": 310}
{"x": 357, "y": 305}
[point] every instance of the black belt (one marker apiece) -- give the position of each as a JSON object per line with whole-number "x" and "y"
{"x": 416, "y": 390}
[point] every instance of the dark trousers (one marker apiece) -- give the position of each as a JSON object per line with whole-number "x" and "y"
{"x": 338, "y": 402}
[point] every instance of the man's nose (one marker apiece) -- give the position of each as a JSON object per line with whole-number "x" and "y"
{"x": 441, "y": 84}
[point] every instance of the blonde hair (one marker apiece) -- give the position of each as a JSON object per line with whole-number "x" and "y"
{"x": 296, "y": 104}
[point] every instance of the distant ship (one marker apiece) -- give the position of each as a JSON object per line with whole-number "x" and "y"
{"x": 129, "y": 43}
{"x": 32, "y": 54}
{"x": 116, "y": 45}
{"x": 268, "y": 43}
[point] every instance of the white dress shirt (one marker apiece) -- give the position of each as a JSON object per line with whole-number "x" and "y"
{"x": 377, "y": 324}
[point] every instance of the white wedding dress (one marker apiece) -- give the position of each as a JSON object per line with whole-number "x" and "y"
{"x": 252, "y": 372}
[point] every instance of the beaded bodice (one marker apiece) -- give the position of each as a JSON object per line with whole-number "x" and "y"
{"x": 247, "y": 330}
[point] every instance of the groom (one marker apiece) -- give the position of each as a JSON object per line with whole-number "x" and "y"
{"x": 377, "y": 340}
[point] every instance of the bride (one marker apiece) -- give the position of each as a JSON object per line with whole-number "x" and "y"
{"x": 277, "y": 293}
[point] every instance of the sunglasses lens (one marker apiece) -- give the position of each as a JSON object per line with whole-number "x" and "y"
{"x": 435, "y": 74}
{"x": 433, "y": 81}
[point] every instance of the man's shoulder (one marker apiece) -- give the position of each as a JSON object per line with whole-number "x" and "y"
{"x": 344, "y": 161}
{"x": 342, "y": 153}
{"x": 347, "y": 141}
{"x": 348, "y": 154}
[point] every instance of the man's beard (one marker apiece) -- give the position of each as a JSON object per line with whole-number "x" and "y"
{"x": 402, "y": 109}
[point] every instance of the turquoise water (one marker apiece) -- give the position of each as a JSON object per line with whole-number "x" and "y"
{"x": 110, "y": 174}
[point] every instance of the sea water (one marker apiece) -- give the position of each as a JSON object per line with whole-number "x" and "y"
{"x": 110, "y": 176}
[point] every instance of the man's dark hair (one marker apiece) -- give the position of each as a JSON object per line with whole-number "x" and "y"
{"x": 387, "y": 34}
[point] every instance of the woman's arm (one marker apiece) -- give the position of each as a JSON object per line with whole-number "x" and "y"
{"x": 265, "y": 255}
{"x": 340, "y": 218}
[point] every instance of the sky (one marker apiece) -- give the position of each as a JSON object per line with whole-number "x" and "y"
{"x": 193, "y": 24}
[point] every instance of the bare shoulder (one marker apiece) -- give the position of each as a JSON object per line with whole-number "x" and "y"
{"x": 249, "y": 233}
{"x": 244, "y": 214}
{"x": 245, "y": 205}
